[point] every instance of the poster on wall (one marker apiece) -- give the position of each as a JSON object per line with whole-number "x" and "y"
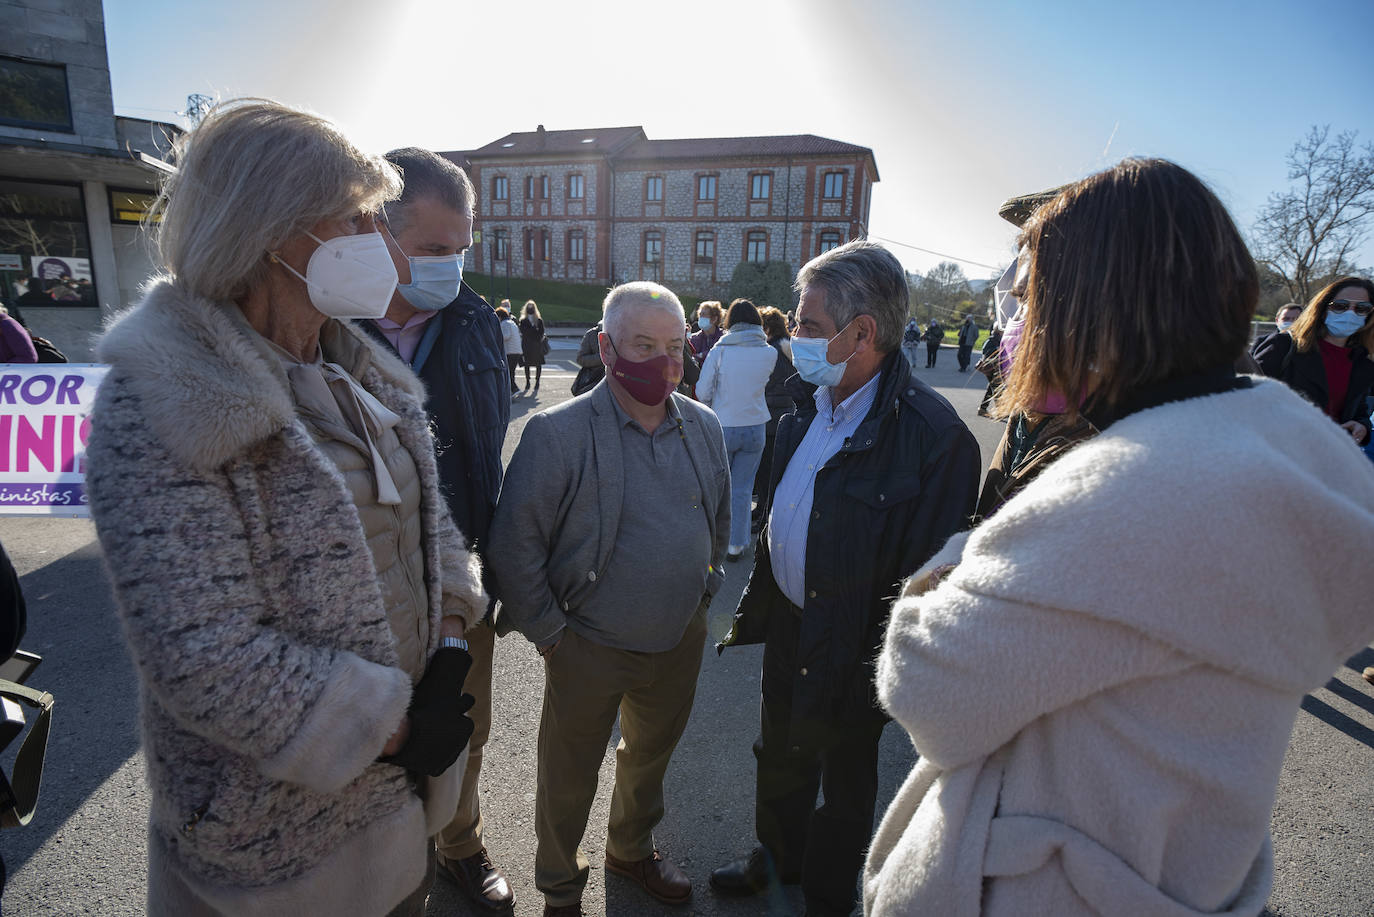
{"x": 48, "y": 267}
{"x": 44, "y": 423}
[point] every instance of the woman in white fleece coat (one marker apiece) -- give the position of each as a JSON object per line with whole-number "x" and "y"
{"x": 288, "y": 578}
{"x": 1101, "y": 678}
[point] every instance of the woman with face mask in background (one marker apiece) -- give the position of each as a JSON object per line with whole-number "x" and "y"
{"x": 709, "y": 318}
{"x": 292, "y": 589}
{"x": 1325, "y": 356}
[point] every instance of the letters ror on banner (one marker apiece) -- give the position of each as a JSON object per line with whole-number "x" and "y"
{"x": 44, "y": 424}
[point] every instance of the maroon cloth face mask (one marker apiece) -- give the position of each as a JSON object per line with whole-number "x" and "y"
{"x": 648, "y": 382}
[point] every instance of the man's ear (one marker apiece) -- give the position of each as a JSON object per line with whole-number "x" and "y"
{"x": 867, "y": 333}
{"x": 603, "y": 343}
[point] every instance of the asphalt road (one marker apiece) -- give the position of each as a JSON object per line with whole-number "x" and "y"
{"x": 85, "y": 851}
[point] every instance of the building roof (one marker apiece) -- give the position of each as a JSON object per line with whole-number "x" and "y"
{"x": 786, "y": 145}
{"x": 600, "y": 140}
{"x": 631, "y": 143}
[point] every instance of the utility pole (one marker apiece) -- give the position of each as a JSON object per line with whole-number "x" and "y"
{"x": 198, "y": 106}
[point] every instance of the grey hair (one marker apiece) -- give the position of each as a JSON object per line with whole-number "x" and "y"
{"x": 251, "y": 176}
{"x": 643, "y": 293}
{"x": 861, "y": 278}
{"x": 428, "y": 175}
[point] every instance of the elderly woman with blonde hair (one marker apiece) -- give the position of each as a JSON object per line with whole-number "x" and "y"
{"x": 292, "y": 589}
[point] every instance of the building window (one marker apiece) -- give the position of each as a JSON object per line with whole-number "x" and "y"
{"x": 543, "y": 187}
{"x": 829, "y": 240}
{"x": 500, "y": 240}
{"x": 529, "y": 187}
{"x": 577, "y": 246}
{"x": 500, "y": 188}
{"x": 575, "y": 186}
{"x": 756, "y": 246}
{"x": 706, "y": 247}
{"x": 529, "y": 245}
{"x": 132, "y": 206}
{"x": 653, "y": 188}
{"x": 834, "y": 186}
{"x": 34, "y": 95}
{"x": 544, "y": 238}
{"x": 760, "y": 186}
{"x": 43, "y": 227}
{"x": 653, "y": 247}
{"x": 706, "y": 187}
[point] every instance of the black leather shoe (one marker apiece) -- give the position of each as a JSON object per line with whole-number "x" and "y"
{"x": 748, "y": 875}
{"x": 479, "y": 879}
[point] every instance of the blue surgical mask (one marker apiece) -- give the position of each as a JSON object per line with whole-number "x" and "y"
{"x": 1344, "y": 324}
{"x": 434, "y": 282}
{"x": 808, "y": 356}
{"x": 704, "y": 323}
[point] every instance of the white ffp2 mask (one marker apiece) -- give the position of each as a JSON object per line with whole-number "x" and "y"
{"x": 349, "y": 276}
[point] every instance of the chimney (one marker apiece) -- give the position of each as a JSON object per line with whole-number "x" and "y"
{"x": 540, "y": 140}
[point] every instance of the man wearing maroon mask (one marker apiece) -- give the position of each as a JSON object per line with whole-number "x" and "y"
{"x": 607, "y": 546}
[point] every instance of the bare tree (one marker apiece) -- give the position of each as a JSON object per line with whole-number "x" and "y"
{"x": 943, "y": 289}
{"x": 1307, "y": 233}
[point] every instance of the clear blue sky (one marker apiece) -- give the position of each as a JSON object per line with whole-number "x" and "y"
{"x": 964, "y": 103}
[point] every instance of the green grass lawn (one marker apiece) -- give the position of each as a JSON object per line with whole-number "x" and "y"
{"x": 558, "y": 301}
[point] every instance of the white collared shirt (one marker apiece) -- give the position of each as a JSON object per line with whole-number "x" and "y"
{"x": 790, "y": 518}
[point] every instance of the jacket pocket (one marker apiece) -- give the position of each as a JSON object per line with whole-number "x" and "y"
{"x": 487, "y": 383}
{"x": 882, "y": 492}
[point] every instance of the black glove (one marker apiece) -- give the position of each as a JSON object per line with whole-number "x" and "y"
{"x": 439, "y": 728}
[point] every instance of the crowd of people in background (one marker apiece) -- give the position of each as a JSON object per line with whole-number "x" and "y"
{"x": 296, "y": 478}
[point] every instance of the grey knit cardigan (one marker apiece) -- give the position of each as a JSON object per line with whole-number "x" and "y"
{"x": 268, "y": 677}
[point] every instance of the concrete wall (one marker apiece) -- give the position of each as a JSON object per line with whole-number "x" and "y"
{"x": 70, "y": 32}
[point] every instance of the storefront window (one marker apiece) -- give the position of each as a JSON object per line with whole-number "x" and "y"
{"x": 45, "y": 250}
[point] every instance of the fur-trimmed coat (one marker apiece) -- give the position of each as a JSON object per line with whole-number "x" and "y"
{"x": 268, "y": 676}
{"x": 1103, "y": 689}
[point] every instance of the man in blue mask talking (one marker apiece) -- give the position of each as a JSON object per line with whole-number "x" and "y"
{"x": 872, "y": 472}
{"x": 452, "y": 340}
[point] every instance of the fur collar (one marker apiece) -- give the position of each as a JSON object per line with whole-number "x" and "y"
{"x": 206, "y": 387}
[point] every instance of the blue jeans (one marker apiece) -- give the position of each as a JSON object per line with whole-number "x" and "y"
{"x": 744, "y": 446}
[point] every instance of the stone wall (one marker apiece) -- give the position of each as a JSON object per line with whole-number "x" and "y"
{"x": 69, "y": 32}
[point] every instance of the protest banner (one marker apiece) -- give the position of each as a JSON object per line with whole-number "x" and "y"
{"x": 44, "y": 424}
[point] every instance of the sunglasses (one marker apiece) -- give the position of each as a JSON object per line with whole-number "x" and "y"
{"x": 1340, "y": 305}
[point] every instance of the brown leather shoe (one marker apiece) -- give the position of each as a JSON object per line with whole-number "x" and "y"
{"x": 656, "y": 876}
{"x": 563, "y": 910}
{"x": 479, "y": 879}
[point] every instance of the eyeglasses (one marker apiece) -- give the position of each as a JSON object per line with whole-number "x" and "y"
{"x": 1340, "y": 305}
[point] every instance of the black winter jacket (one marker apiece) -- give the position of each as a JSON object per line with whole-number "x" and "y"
{"x": 1305, "y": 373}
{"x": 892, "y": 495}
{"x": 467, "y": 397}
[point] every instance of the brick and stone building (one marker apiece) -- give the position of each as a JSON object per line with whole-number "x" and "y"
{"x": 607, "y": 205}
{"x": 75, "y": 179}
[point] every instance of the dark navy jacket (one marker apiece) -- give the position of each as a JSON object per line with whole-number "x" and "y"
{"x": 894, "y": 493}
{"x": 467, "y": 397}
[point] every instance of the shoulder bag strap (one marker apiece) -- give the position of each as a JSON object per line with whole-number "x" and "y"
{"x": 19, "y": 796}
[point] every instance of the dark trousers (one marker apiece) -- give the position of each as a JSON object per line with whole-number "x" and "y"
{"x": 932, "y": 350}
{"x": 822, "y": 847}
{"x": 965, "y": 354}
{"x": 513, "y": 361}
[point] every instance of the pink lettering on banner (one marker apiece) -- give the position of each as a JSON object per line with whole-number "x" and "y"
{"x": 29, "y": 441}
{"x": 6, "y": 424}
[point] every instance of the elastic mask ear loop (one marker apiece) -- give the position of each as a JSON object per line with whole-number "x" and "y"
{"x": 278, "y": 259}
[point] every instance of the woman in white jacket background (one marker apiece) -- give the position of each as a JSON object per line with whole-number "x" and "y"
{"x": 732, "y": 383}
{"x": 1128, "y": 594}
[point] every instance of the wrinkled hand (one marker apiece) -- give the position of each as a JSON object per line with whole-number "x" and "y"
{"x": 1357, "y": 430}
{"x": 439, "y": 727}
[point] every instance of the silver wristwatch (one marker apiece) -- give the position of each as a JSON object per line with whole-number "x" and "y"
{"x": 457, "y": 643}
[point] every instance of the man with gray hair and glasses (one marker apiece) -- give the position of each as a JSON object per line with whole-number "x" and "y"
{"x": 606, "y": 549}
{"x": 871, "y": 473}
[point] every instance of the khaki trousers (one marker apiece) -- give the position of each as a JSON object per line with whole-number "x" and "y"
{"x": 462, "y": 837}
{"x": 585, "y": 686}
